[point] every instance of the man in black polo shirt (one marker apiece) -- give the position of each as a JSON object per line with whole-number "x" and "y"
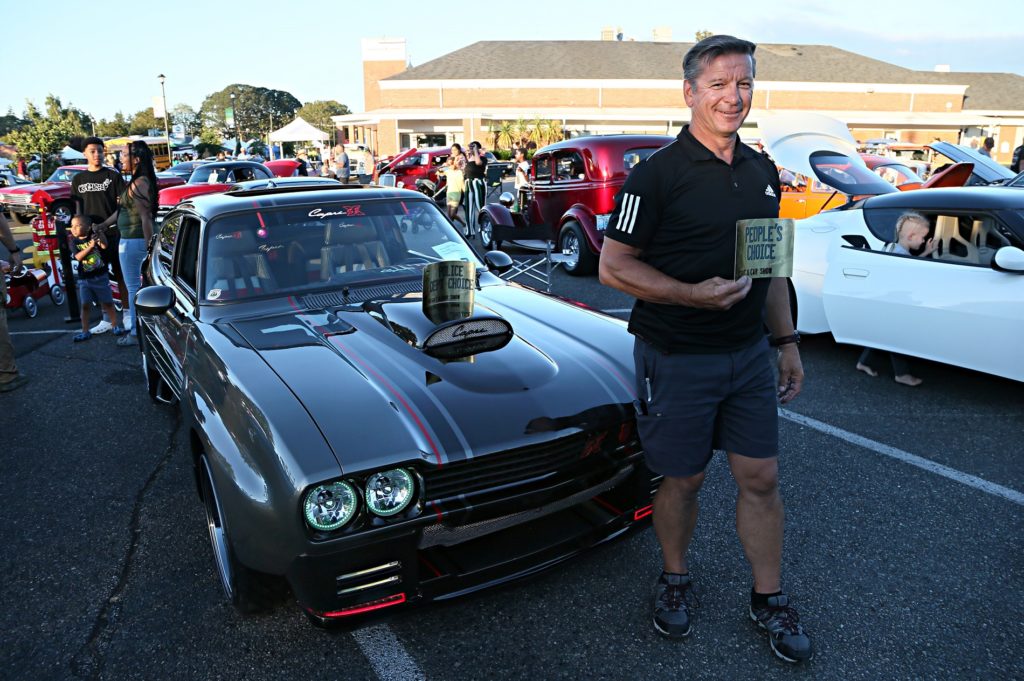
{"x": 95, "y": 192}
{"x": 704, "y": 376}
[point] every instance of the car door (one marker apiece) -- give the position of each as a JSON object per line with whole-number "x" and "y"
{"x": 175, "y": 267}
{"x": 963, "y": 314}
{"x": 543, "y": 191}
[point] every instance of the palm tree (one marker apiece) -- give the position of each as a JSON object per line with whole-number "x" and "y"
{"x": 505, "y": 135}
{"x": 537, "y": 132}
{"x": 522, "y": 132}
{"x": 556, "y": 134}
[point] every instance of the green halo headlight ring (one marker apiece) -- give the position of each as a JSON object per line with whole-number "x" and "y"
{"x": 390, "y": 492}
{"x": 330, "y": 506}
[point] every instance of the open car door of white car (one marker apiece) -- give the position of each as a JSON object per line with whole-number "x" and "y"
{"x": 965, "y": 314}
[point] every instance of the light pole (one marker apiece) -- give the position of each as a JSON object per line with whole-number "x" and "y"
{"x": 234, "y": 119}
{"x": 167, "y": 128}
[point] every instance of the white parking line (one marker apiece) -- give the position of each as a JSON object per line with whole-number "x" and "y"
{"x": 906, "y": 457}
{"x": 618, "y": 310}
{"x": 36, "y": 333}
{"x": 386, "y": 654}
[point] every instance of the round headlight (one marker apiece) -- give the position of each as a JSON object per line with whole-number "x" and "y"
{"x": 389, "y": 492}
{"x": 328, "y": 507}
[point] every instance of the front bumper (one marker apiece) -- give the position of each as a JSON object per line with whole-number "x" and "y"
{"x": 446, "y": 554}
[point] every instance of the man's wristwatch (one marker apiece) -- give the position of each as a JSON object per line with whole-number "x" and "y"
{"x": 785, "y": 340}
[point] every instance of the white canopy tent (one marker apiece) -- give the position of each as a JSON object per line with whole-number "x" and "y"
{"x": 299, "y": 130}
{"x": 69, "y": 154}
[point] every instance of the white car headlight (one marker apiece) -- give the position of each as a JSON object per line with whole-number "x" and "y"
{"x": 330, "y": 506}
{"x": 390, "y": 492}
{"x": 601, "y": 221}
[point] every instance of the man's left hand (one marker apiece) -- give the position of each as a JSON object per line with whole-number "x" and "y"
{"x": 791, "y": 373}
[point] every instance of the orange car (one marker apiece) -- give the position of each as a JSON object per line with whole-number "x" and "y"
{"x": 803, "y": 198}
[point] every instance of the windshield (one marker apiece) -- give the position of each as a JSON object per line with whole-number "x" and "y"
{"x": 897, "y": 174}
{"x": 208, "y": 174}
{"x": 63, "y": 174}
{"x": 315, "y": 247}
{"x": 413, "y": 160}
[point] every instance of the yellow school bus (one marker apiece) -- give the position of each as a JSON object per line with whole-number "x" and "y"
{"x": 158, "y": 145}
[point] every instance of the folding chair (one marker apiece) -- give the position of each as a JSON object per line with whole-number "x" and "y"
{"x": 538, "y": 264}
{"x": 493, "y": 180}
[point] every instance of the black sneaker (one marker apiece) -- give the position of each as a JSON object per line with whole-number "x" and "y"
{"x": 673, "y": 598}
{"x": 786, "y": 636}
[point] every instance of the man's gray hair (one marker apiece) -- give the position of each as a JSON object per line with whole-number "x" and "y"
{"x": 709, "y": 49}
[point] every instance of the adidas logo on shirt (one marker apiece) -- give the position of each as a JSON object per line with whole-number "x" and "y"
{"x": 627, "y": 216}
{"x": 768, "y": 191}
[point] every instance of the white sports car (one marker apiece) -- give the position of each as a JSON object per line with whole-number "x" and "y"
{"x": 963, "y": 305}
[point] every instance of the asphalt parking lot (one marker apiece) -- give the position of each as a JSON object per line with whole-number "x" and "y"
{"x": 904, "y": 545}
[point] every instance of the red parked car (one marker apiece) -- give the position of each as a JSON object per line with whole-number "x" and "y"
{"x": 17, "y": 199}
{"x": 416, "y": 164}
{"x": 212, "y": 178}
{"x": 423, "y": 164}
{"x": 572, "y": 190}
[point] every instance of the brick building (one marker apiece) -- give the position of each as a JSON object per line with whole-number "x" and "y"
{"x": 604, "y": 86}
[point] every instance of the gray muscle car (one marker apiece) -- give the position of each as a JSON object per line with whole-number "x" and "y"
{"x": 353, "y": 445}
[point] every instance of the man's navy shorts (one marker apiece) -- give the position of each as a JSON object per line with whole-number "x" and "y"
{"x": 699, "y": 403}
{"x": 95, "y": 290}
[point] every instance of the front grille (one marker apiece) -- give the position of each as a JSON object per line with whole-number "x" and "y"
{"x": 16, "y": 199}
{"x": 443, "y": 535}
{"x": 495, "y": 470}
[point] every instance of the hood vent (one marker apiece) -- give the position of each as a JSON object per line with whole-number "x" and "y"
{"x": 360, "y": 294}
{"x": 465, "y": 337}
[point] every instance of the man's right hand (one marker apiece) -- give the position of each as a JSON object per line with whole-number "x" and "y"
{"x": 718, "y": 293}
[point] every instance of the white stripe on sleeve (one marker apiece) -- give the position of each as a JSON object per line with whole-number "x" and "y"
{"x": 630, "y": 209}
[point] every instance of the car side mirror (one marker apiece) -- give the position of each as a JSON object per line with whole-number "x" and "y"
{"x": 499, "y": 261}
{"x": 387, "y": 180}
{"x": 154, "y": 300}
{"x": 1009, "y": 259}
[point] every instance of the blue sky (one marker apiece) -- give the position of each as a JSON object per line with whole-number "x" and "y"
{"x": 113, "y": 51}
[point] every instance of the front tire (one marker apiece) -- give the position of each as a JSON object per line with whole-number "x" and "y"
{"x": 247, "y": 590}
{"x": 31, "y": 309}
{"x": 573, "y": 243}
{"x": 487, "y": 232}
{"x": 62, "y": 212}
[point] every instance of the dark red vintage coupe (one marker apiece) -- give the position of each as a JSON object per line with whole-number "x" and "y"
{"x": 572, "y": 191}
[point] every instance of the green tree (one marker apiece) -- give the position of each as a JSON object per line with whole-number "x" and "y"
{"x": 700, "y": 35}
{"x": 209, "y": 142}
{"x": 115, "y": 127}
{"x": 188, "y": 117}
{"x": 76, "y": 118}
{"x": 253, "y": 106}
{"x": 44, "y": 136}
{"x": 144, "y": 121}
{"x": 318, "y": 114}
{"x": 10, "y": 122}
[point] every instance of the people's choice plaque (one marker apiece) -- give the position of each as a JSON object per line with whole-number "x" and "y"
{"x": 764, "y": 248}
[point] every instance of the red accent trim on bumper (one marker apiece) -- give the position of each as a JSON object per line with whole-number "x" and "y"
{"x": 611, "y": 508}
{"x": 643, "y": 512}
{"x": 386, "y": 602}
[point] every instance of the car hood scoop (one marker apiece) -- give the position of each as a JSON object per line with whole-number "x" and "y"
{"x": 446, "y": 339}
